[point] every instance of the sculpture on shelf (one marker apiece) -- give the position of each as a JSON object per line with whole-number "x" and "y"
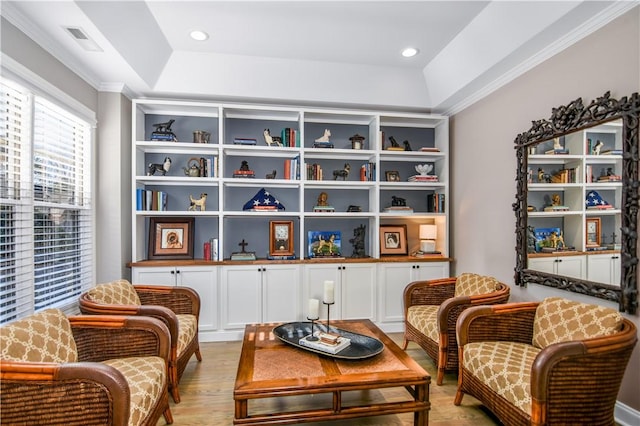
{"x": 322, "y": 204}
{"x": 271, "y": 140}
{"x": 195, "y": 168}
{"x": 200, "y": 202}
{"x": 597, "y": 147}
{"x": 407, "y": 147}
{"x": 398, "y": 202}
{"x": 163, "y": 132}
{"x": 323, "y": 199}
{"x": 344, "y": 173}
{"x": 271, "y": 175}
{"x": 424, "y": 169}
{"x": 163, "y": 168}
{"x": 531, "y": 239}
{"x": 325, "y": 137}
{"x": 244, "y": 171}
{"x": 358, "y": 241}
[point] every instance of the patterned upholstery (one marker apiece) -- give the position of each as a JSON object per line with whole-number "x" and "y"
{"x": 146, "y": 378}
{"x": 187, "y": 329}
{"x": 425, "y": 319}
{"x": 560, "y": 320}
{"x": 469, "y": 284}
{"x": 505, "y": 367}
{"x": 42, "y": 337}
{"x": 119, "y": 292}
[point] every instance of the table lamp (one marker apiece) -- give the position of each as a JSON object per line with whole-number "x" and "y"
{"x": 428, "y": 234}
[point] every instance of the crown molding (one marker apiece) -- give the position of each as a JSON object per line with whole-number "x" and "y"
{"x": 118, "y": 88}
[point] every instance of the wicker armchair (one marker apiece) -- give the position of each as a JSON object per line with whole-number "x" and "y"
{"x": 177, "y": 307}
{"x": 431, "y": 309}
{"x": 97, "y": 370}
{"x": 539, "y": 363}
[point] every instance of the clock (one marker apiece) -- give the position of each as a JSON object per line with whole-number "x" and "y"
{"x": 281, "y": 242}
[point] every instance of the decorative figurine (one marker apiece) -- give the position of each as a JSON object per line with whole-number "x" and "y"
{"x": 344, "y": 173}
{"x": 398, "y": 202}
{"x": 271, "y": 140}
{"x": 424, "y": 169}
{"x": 597, "y": 147}
{"x": 271, "y": 175}
{"x": 531, "y": 239}
{"x": 163, "y": 168}
{"x": 323, "y": 203}
{"x": 542, "y": 176}
{"x": 325, "y": 137}
{"x": 162, "y": 132}
{"x": 358, "y": 241}
{"x": 354, "y": 209}
{"x": 407, "y": 147}
{"x": 322, "y": 199}
{"x": 200, "y": 202}
{"x": 244, "y": 171}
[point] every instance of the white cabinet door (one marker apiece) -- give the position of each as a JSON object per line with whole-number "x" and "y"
{"x": 604, "y": 268}
{"x": 165, "y": 275}
{"x": 542, "y": 264}
{"x": 358, "y": 291}
{"x": 281, "y": 300}
{"x": 241, "y": 296}
{"x": 394, "y": 277}
{"x": 314, "y": 277}
{"x": 568, "y": 266}
{"x": 204, "y": 280}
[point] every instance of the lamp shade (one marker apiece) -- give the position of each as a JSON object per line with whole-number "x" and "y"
{"x": 428, "y": 232}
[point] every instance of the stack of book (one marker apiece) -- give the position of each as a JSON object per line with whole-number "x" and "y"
{"x": 429, "y": 149}
{"x": 435, "y": 203}
{"x": 423, "y": 178}
{"x": 244, "y": 174}
{"x": 398, "y": 209}
{"x": 243, "y": 255}
{"x": 557, "y": 152}
{"x": 326, "y": 209}
{"x": 317, "y": 144}
{"x": 611, "y": 152}
{"x": 329, "y": 343}
{"x": 244, "y": 141}
{"x": 609, "y": 178}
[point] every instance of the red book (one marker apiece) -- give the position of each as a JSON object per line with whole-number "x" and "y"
{"x": 207, "y": 251}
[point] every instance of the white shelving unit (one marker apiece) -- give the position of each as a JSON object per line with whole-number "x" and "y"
{"x": 583, "y": 168}
{"x": 225, "y": 219}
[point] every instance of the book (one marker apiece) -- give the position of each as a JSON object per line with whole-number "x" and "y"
{"x": 292, "y": 257}
{"x": 324, "y": 209}
{"x": 321, "y": 345}
{"x": 244, "y": 141}
{"x": 423, "y": 178}
{"x": 611, "y": 152}
{"x": 394, "y": 148}
{"x": 245, "y": 255}
{"x": 429, "y": 149}
{"x": 398, "y": 209}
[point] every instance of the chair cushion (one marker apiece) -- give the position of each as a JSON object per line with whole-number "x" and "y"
{"x": 561, "y": 320}
{"x": 42, "y": 337}
{"x": 468, "y": 284}
{"x": 187, "y": 329}
{"x": 425, "y": 319}
{"x": 505, "y": 367}
{"x": 146, "y": 377}
{"x": 119, "y": 292}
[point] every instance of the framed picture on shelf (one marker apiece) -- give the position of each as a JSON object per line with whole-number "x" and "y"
{"x": 393, "y": 240}
{"x": 170, "y": 238}
{"x": 592, "y": 237}
{"x": 392, "y": 176}
{"x": 324, "y": 244}
{"x": 281, "y": 241}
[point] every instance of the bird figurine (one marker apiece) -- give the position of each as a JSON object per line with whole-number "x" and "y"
{"x": 424, "y": 169}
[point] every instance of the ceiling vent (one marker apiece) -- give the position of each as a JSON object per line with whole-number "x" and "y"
{"x": 83, "y": 39}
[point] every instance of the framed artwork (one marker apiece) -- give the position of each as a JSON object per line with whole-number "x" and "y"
{"x": 281, "y": 241}
{"x": 171, "y": 238}
{"x": 392, "y": 176}
{"x": 393, "y": 240}
{"x": 324, "y": 244}
{"x": 592, "y": 236}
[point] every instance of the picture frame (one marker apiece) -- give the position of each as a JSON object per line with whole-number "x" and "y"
{"x": 592, "y": 232}
{"x": 281, "y": 238}
{"x": 392, "y": 176}
{"x": 170, "y": 238}
{"x": 393, "y": 240}
{"x": 324, "y": 244}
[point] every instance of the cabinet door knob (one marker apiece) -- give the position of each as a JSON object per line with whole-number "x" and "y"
{"x": 615, "y": 257}
{"x": 178, "y": 271}
{"x": 173, "y": 272}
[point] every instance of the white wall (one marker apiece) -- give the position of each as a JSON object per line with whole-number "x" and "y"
{"x": 484, "y": 164}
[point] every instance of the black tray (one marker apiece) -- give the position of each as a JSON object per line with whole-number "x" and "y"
{"x": 361, "y": 346}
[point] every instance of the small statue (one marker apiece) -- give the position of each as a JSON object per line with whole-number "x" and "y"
{"x": 424, "y": 169}
{"x": 200, "y": 202}
{"x": 271, "y": 140}
{"x": 325, "y": 137}
{"x": 271, "y": 175}
{"x": 344, "y": 173}
{"x": 597, "y": 147}
{"x": 163, "y": 168}
{"x": 398, "y": 202}
{"x": 323, "y": 199}
{"x": 358, "y": 241}
{"x": 531, "y": 239}
{"x": 244, "y": 166}
{"x": 163, "y": 127}
{"x": 162, "y": 132}
{"x": 407, "y": 147}
{"x": 394, "y": 143}
{"x": 555, "y": 200}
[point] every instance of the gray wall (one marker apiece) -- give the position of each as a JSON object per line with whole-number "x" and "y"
{"x": 484, "y": 164}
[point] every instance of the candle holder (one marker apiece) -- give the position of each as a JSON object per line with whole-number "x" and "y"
{"x": 328, "y": 308}
{"x": 312, "y": 338}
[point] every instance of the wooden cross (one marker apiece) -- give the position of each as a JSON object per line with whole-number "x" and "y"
{"x": 243, "y": 244}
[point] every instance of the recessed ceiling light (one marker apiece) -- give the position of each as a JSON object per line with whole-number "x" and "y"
{"x": 409, "y": 52}
{"x": 199, "y": 35}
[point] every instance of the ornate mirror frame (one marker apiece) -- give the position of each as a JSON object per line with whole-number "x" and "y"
{"x": 564, "y": 120}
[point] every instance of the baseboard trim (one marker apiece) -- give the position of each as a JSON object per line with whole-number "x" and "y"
{"x": 625, "y": 415}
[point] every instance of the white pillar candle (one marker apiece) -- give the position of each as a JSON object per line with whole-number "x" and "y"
{"x": 329, "y": 287}
{"x": 314, "y": 307}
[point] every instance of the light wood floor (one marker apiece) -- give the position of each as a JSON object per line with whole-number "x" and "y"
{"x": 206, "y": 391}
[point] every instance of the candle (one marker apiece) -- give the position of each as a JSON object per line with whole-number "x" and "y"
{"x": 328, "y": 292}
{"x": 314, "y": 306}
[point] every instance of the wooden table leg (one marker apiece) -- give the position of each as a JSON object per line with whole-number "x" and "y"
{"x": 241, "y": 409}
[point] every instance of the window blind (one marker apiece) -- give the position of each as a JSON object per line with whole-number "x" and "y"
{"x": 46, "y": 204}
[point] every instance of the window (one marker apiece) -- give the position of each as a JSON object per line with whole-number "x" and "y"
{"x": 45, "y": 204}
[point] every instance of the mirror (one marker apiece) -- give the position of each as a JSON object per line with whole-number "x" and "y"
{"x": 577, "y": 200}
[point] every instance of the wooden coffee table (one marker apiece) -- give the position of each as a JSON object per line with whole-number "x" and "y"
{"x": 270, "y": 368}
